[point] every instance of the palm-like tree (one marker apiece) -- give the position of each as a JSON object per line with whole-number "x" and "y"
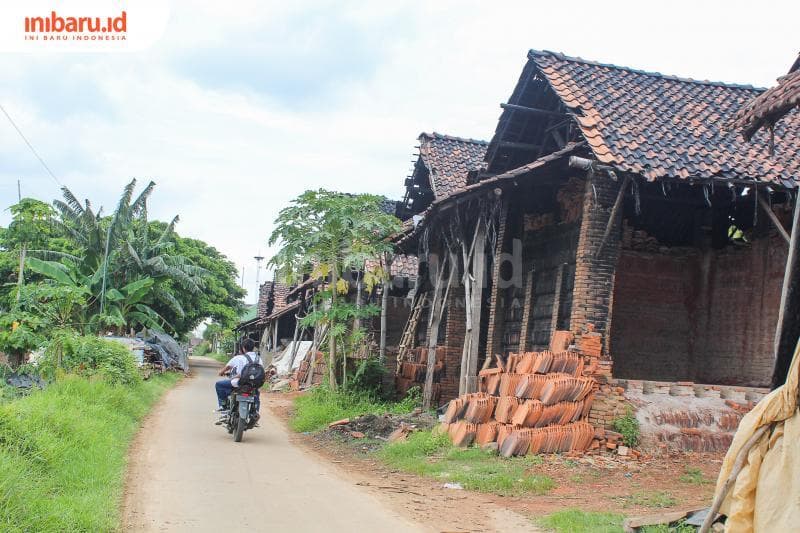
{"x": 120, "y": 268}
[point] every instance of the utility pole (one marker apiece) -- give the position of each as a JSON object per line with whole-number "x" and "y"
{"x": 19, "y": 192}
{"x": 258, "y": 259}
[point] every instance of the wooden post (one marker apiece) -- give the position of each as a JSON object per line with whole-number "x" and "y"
{"x": 527, "y": 312}
{"x": 788, "y": 327}
{"x": 496, "y": 316}
{"x": 559, "y": 289}
{"x": 771, "y": 214}
{"x": 434, "y": 318}
{"x": 479, "y": 273}
{"x": 468, "y": 281}
{"x": 385, "y": 308}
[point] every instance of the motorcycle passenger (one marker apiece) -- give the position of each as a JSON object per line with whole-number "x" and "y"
{"x": 224, "y": 387}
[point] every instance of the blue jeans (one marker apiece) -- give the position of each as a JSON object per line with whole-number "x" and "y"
{"x": 224, "y": 389}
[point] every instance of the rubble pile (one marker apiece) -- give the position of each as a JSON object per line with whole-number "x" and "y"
{"x": 533, "y": 402}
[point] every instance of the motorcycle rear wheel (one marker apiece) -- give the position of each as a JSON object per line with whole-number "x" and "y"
{"x": 239, "y": 431}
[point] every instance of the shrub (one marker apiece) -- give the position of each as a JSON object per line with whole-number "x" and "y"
{"x": 322, "y": 406}
{"x": 90, "y": 356}
{"x": 368, "y": 377}
{"x": 628, "y": 426}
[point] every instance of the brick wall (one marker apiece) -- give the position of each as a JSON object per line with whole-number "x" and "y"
{"x": 739, "y": 295}
{"x": 652, "y": 328}
{"x": 453, "y": 341}
{"x": 702, "y": 315}
{"x": 594, "y": 273}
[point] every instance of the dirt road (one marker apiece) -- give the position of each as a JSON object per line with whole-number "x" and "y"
{"x": 187, "y": 474}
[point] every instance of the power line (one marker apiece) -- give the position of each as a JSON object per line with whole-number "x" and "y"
{"x": 3, "y": 109}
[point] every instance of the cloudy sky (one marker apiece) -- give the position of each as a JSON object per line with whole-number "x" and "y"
{"x": 234, "y": 112}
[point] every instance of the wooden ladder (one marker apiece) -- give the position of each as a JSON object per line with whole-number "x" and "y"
{"x": 410, "y": 330}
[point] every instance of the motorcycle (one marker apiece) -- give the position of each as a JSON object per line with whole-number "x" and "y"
{"x": 242, "y": 413}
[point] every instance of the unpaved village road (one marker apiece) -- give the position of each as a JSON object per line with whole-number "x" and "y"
{"x": 186, "y": 474}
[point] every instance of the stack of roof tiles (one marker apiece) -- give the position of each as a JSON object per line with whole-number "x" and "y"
{"x": 414, "y": 368}
{"x": 533, "y": 402}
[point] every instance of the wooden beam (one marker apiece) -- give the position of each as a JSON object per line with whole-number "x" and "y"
{"x": 612, "y": 217}
{"x": 527, "y": 311}
{"x": 788, "y": 327}
{"x": 519, "y": 146}
{"x": 559, "y": 288}
{"x": 771, "y": 214}
{"x": 533, "y": 110}
{"x": 470, "y": 373}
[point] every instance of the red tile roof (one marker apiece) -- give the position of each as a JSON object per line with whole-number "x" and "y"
{"x": 449, "y": 160}
{"x": 663, "y": 126}
{"x": 771, "y": 105}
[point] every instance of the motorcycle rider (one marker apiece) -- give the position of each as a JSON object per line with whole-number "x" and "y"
{"x": 224, "y": 387}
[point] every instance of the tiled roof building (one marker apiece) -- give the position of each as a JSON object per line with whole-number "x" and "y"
{"x": 442, "y": 168}
{"x": 645, "y": 123}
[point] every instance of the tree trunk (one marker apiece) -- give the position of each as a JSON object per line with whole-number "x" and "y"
{"x": 331, "y": 336}
{"x": 357, "y": 320}
{"x": 21, "y": 277}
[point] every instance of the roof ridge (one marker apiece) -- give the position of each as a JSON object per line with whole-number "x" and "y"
{"x": 532, "y": 54}
{"x": 437, "y": 135}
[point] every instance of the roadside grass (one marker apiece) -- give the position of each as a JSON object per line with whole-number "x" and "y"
{"x": 63, "y": 453}
{"x": 577, "y": 521}
{"x": 693, "y": 476}
{"x": 431, "y": 454}
{"x": 664, "y": 528}
{"x": 656, "y": 499}
{"x": 321, "y": 406}
{"x": 221, "y": 357}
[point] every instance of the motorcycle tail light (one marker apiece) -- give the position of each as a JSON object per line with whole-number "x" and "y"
{"x": 245, "y": 395}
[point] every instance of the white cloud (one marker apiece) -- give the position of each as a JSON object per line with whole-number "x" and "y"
{"x": 227, "y": 156}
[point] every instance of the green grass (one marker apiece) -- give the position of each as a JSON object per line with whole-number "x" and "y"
{"x": 653, "y": 499}
{"x": 427, "y": 453}
{"x": 318, "y": 408}
{"x": 693, "y": 476}
{"x": 221, "y": 357}
{"x": 63, "y": 453}
{"x": 662, "y": 528}
{"x": 577, "y": 521}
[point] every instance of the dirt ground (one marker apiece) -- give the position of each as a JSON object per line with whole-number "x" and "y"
{"x": 186, "y": 474}
{"x": 605, "y": 483}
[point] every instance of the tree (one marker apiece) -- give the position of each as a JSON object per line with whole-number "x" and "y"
{"x": 324, "y": 234}
{"x": 135, "y": 272}
{"x": 33, "y": 228}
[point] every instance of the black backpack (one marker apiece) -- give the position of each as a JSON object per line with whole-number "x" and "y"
{"x": 253, "y": 374}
